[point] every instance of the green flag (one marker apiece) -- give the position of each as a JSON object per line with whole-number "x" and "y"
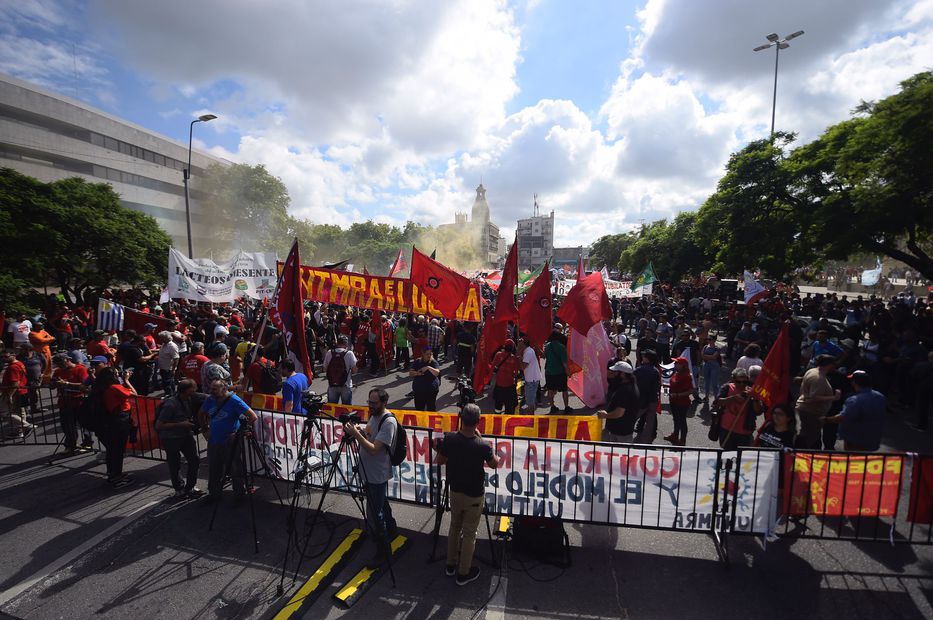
{"x": 646, "y": 277}
{"x": 526, "y": 280}
{"x": 434, "y": 254}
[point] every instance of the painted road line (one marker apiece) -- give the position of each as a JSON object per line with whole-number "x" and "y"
{"x": 9, "y": 594}
{"x": 323, "y": 576}
{"x": 363, "y": 580}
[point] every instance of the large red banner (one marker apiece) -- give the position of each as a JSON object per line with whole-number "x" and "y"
{"x": 379, "y": 293}
{"x": 842, "y": 485}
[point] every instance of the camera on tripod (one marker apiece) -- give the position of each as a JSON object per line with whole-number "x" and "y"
{"x": 312, "y": 402}
{"x": 350, "y": 418}
{"x": 467, "y": 394}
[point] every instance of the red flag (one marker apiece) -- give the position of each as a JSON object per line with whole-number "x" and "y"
{"x": 445, "y": 287}
{"x": 920, "y": 509}
{"x": 490, "y": 340}
{"x": 399, "y": 265}
{"x": 586, "y": 304}
{"x": 773, "y": 384}
{"x": 136, "y": 320}
{"x": 534, "y": 313}
{"x": 505, "y": 298}
{"x": 287, "y": 312}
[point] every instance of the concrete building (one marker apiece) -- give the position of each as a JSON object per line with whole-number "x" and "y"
{"x": 484, "y": 233}
{"x": 535, "y": 239}
{"x": 569, "y": 256}
{"x": 51, "y": 137}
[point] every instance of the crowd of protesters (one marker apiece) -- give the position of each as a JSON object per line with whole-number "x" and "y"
{"x": 852, "y": 358}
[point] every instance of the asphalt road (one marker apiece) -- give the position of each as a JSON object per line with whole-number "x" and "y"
{"x": 74, "y": 548}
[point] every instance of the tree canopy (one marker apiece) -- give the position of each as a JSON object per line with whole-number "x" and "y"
{"x": 75, "y": 235}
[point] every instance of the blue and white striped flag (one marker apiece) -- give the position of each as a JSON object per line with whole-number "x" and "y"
{"x": 109, "y": 315}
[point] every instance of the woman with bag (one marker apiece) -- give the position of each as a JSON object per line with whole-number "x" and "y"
{"x": 736, "y": 412}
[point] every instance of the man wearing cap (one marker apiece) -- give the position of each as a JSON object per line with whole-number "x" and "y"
{"x": 861, "y": 421}
{"x": 648, "y": 381}
{"x": 425, "y": 383}
{"x": 167, "y": 362}
{"x": 465, "y": 453}
{"x": 151, "y": 344}
{"x": 621, "y": 412}
{"x": 69, "y": 378}
{"x": 339, "y": 366}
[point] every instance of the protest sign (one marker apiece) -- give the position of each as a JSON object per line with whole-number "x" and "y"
{"x": 379, "y": 293}
{"x": 247, "y": 274}
{"x": 614, "y": 288}
{"x": 842, "y": 484}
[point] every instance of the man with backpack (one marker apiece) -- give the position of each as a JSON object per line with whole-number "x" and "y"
{"x": 339, "y": 366}
{"x": 379, "y": 446}
{"x": 261, "y": 375}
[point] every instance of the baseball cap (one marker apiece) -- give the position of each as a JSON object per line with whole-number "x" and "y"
{"x": 100, "y": 359}
{"x": 217, "y": 349}
{"x": 149, "y": 325}
{"x": 681, "y": 359}
{"x": 858, "y": 374}
{"x": 622, "y": 367}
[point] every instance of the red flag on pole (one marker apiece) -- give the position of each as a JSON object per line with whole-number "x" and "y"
{"x": 287, "y": 312}
{"x": 445, "y": 287}
{"x": 399, "y": 265}
{"x": 490, "y": 340}
{"x": 505, "y": 297}
{"x": 586, "y": 304}
{"x": 534, "y": 313}
{"x": 581, "y": 267}
{"x": 773, "y": 384}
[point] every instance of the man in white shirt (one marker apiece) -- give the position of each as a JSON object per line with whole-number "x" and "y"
{"x": 20, "y": 329}
{"x": 168, "y": 362}
{"x": 531, "y": 368}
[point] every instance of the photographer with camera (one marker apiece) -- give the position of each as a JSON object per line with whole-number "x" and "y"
{"x": 176, "y": 426}
{"x": 465, "y": 453}
{"x": 375, "y": 443}
{"x": 220, "y": 417}
{"x": 115, "y": 392}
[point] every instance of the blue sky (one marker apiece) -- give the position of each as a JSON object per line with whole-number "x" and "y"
{"x": 612, "y": 112}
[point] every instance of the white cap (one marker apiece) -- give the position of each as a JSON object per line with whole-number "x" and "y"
{"x": 622, "y": 366}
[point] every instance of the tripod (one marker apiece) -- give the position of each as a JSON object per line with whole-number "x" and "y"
{"x": 244, "y": 436}
{"x": 357, "y": 491}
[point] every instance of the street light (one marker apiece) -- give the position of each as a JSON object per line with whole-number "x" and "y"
{"x": 187, "y": 174}
{"x": 778, "y": 44}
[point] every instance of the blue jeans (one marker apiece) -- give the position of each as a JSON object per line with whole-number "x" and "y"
{"x": 710, "y": 379}
{"x": 340, "y": 395}
{"x": 379, "y": 512}
{"x": 531, "y": 394}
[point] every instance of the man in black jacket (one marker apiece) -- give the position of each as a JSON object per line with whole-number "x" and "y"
{"x": 175, "y": 424}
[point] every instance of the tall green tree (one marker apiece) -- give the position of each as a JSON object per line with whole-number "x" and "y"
{"x": 75, "y": 235}
{"x": 672, "y": 248}
{"x": 607, "y": 250}
{"x": 866, "y": 184}
{"x": 246, "y": 208}
{"x": 751, "y": 220}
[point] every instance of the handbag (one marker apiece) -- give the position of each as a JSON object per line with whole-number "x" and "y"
{"x": 713, "y": 434}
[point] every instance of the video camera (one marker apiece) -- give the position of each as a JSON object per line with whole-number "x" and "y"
{"x": 350, "y": 418}
{"x": 312, "y": 402}
{"x": 466, "y": 392}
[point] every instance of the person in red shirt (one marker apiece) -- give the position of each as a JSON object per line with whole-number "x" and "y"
{"x": 69, "y": 378}
{"x": 98, "y": 346}
{"x": 507, "y": 367}
{"x": 12, "y": 394}
{"x": 191, "y": 365}
{"x": 681, "y": 389}
{"x": 116, "y": 398}
{"x": 252, "y": 378}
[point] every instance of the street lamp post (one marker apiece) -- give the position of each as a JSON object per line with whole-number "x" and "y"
{"x": 187, "y": 175}
{"x": 778, "y": 44}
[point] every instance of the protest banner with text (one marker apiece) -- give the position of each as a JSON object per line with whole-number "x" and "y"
{"x": 842, "y": 484}
{"x": 382, "y": 294}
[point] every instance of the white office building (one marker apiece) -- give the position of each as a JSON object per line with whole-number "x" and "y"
{"x": 51, "y": 137}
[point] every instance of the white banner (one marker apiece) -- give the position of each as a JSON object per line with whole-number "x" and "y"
{"x": 614, "y": 288}
{"x": 247, "y": 274}
{"x": 585, "y": 482}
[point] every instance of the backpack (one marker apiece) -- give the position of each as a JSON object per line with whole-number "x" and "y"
{"x": 270, "y": 380}
{"x": 337, "y": 369}
{"x": 91, "y": 414}
{"x": 399, "y": 450}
